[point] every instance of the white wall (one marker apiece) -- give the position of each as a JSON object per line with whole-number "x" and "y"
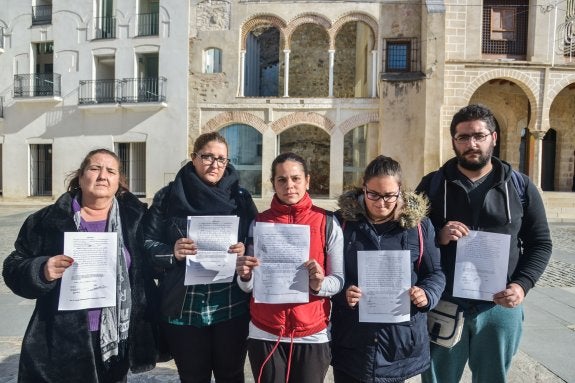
{"x": 73, "y": 131}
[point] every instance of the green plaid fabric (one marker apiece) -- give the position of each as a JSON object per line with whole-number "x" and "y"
{"x": 206, "y": 305}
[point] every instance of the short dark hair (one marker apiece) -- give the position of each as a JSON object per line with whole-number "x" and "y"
{"x": 74, "y": 177}
{"x": 473, "y": 112}
{"x": 289, "y": 156}
{"x": 203, "y": 140}
{"x": 382, "y": 166}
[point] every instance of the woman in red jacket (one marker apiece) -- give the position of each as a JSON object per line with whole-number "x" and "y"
{"x": 289, "y": 342}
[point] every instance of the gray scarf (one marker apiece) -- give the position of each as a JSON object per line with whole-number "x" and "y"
{"x": 114, "y": 331}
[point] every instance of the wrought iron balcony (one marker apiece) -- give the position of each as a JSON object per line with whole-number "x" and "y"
{"x": 148, "y": 24}
{"x": 105, "y": 28}
{"x": 128, "y": 90}
{"x": 42, "y": 14}
{"x": 99, "y": 92}
{"x": 37, "y": 85}
{"x": 151, "y": 89}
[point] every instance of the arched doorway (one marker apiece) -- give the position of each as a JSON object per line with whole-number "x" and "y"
{"x": 245, "y": 153}
{"x": 311, "y": 143}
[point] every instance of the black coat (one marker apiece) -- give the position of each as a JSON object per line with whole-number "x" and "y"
{"x": 385, "y": 352}
{"x": 502, "y": 212}
{"x": 57, "y": 344}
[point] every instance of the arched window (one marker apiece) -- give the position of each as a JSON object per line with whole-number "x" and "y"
{"x": 212, "y": 60}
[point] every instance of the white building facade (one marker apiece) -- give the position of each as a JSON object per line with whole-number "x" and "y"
{"x": 76, "y": 75}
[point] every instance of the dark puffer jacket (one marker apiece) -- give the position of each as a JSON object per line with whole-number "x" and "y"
{"x": 385, "y": 352}
{"x": 57, "y": 346}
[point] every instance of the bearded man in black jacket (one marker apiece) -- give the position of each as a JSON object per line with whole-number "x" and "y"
{"x": 476, "y": 191}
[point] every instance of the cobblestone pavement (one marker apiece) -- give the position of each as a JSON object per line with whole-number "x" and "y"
{"x": 560, "y": 273}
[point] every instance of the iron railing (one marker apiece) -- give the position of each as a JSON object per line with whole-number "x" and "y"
{"x": 152, "y": 89}
{"x": 105, "y": 28}
{"x": 42, "y": 14}
{"x": 37, "y": 85}
{"x": 99, "y": 92}
{"x": 148, "y": 24}
{"x": 128, "y": 90}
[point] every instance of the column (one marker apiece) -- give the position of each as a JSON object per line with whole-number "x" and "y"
{"x": 331, "y": 60}
{"x": 336, "y": 163}
{"x": 242, "y": 73}
{"x": 286, "y": 72}
{"x": 373, "y": 73}
{"x": 537, "y": 157}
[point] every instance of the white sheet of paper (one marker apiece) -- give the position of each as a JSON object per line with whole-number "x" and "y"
{"x": 90, "y": 282}
{"x": 481, "y": 265}
{"x": 282, "y": 249}
{"x": 213, "y": 235}
{"x": 384, "y": 277}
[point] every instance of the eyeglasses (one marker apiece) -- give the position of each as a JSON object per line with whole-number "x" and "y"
{"x": 208, "y": 159}
{"x": 465, "y": 138}
{"x": 374, "y": 196}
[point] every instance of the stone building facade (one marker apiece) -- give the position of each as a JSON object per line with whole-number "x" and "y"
{"x": 340, "y": 82}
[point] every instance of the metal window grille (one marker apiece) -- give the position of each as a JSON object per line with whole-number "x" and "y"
{"x": 133, "y": 160}
{"x": 505, "y": 27}
{"x": 402, "y": 55}
{"x": 569, "y": 30}
{"x": 41, "y": 169}
{"x": 148, "y": 24}
{"x": 106, "y": 27}
{"x": 42, "y": 14}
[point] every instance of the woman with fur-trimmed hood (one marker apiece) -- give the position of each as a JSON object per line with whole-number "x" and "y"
{"x": 382, "y": 216}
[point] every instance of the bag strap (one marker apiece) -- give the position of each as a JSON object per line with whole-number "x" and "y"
{"x": 420, "y": 245}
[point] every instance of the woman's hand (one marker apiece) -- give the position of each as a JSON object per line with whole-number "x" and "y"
{"x": 245, "y": 265}
{"x": 237, "y": 248}
{"x": 316, "y": 274}
{"x": 418, "y": 297}
{"x": 452, "y": 231}
{"x": 55, "y": 266}
{"x": 183, "y": 247}
{"x": 352, "y": 295}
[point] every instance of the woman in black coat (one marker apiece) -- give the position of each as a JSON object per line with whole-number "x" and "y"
{"x": 381, "y": 216}
{"x": 69, "y": 346}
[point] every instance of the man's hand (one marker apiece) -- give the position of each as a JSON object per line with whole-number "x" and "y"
{"x": 511, "y": 297}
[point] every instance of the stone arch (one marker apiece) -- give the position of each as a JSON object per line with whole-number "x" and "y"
{"x": 554, "y": 92}
{"x": 526, "y": 83}
{"x": 358, "y": 120}
{"x": 303, "y": 118}
{"x": 306, "y": 18}
{"x": 350, "y": 17}
{"x": 259, "y": 20}
{"x": 236, "y": 117}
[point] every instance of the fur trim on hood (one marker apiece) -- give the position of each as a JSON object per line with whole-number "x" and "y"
{"x": 411, "y": 207}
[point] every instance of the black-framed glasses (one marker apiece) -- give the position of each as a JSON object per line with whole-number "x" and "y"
{"x": 477, "y": 137}
{"x": 374, "y": 196}
{"x": 208, "y": 159}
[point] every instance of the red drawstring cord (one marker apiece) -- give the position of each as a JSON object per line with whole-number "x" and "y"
{"x": 270, "y": 355}
{"x": 289, "y": 357}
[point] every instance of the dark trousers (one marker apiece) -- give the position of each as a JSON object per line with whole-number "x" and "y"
{"x": 341, "y": 377}
{"x": 199, "y": 351}
{"x": 309, "y": 361}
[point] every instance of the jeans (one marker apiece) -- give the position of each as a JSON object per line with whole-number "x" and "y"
{"x": 489, "y": 341}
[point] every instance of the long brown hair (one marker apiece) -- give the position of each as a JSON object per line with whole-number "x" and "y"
{"x": 74, "y": 177}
